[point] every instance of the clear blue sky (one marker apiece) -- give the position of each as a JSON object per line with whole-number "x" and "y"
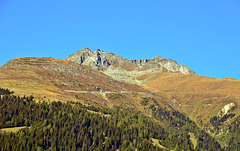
{"x": 203, "y": 34}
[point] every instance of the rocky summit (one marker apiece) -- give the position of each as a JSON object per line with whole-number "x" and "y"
{"x": 123, "y": 69}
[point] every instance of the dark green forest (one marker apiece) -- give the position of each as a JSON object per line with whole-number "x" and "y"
{"x": 72, "y": 126}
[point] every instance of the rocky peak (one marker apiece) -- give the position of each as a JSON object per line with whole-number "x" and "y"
{"x": 158, "y": 62}
{"x": 185, "y": 70}
{"x": 123, "y": 69}
{"x": 159, "y": 58}
{"x": 95, "y": 59}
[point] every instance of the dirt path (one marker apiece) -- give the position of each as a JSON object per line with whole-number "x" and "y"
{"x": 13, "y": 129}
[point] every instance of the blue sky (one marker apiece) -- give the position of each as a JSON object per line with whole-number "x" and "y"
{"x": 203, "y": 34}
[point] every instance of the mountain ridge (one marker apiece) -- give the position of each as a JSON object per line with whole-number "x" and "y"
{"x": 102, "y": 58}
{"x": 123, "y": 69}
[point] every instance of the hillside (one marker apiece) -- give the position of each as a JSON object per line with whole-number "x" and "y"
{"x": 203, "y": 99}
{"x": 71, "y": 126}
{"x": 55, "y": 79}
{"x": 192, "y": 92}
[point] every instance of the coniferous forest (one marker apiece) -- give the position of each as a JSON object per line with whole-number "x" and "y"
{"x": 72, "y": 126}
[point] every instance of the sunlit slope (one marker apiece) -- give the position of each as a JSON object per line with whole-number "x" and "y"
{"x": 55, "y": 79}
{"x": 198, "y": 96}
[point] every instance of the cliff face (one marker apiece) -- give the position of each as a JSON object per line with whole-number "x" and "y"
{"x": 123, "y": 69}
{"x": 95, "y": 59}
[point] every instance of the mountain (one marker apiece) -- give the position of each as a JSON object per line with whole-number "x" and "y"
{"x": 203, "y": 99}
{"x": 131, "y": 109}
{"x": 126, "y": 70}
{"x": 154, "y": 88}
{"x": 55, "y": 79}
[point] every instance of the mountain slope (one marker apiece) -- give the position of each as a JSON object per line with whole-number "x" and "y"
{"x": 55, "y": 79}
{"x": 212, "y": 103}
{"x": 196, "y": 91}
{"x": 125, "y": 70}
{"x": 201, "y": 98}
{"x": 63, "y": 126}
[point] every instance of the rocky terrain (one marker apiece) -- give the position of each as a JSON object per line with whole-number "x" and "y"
{"x": 126, "y": 70}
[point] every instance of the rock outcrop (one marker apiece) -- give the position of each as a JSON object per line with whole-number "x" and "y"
{"x": 95, "y": 59}
{"x": 123, "y": 69}
{"x": 227, "y": 109}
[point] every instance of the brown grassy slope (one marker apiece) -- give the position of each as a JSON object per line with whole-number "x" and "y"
{"x": 200, "y": 97}
{"x": 55, "y": 79}
{"x": 145, "y": 76}
{"x": 25, "y": 81}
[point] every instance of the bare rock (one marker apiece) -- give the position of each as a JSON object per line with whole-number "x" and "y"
{"x": 227, "y": 109}
{"x": 125, "y": 70}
